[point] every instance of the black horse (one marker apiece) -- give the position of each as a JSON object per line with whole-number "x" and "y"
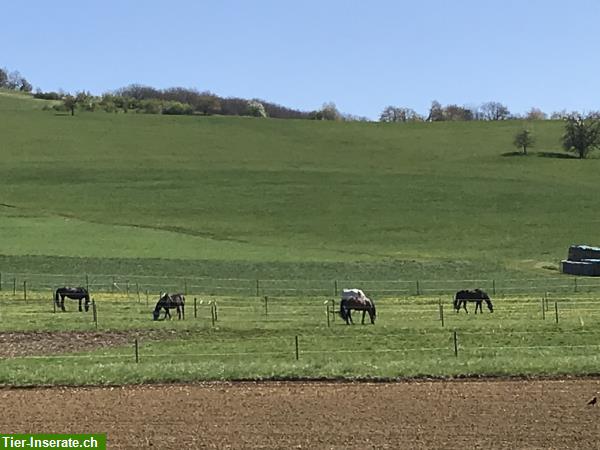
{"x": 478, "y": 296}
{"x": 76, "y": 293}
{"x": 357, "y": 300}
{"x": 168, "y": 302}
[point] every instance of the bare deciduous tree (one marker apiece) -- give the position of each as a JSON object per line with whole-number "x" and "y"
{"x": 494, "y": 111}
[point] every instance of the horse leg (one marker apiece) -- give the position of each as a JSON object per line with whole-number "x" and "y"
{"x": 345, "y": 316}
{"x": 62, "y": 302}
{"x": 363, "y": 319}
{"x": 80, "y": 309}
{"x": 350, "y": 317}
{"x": 465, "y": 306}
{"x": 478, "y": 307}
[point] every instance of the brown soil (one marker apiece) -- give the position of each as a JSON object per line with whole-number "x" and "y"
{"x": 490, "y": 414}
{"x": 30, "y": 343}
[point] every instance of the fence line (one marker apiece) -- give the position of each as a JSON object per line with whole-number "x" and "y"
{"x": 289, "y": 352}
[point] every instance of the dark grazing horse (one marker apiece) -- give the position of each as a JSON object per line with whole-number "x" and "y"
{"x": 76, "y": 293}
{"x": 478, "y": 296}
{"x": 357, "y": 300}
{"x": 168, "y": 302}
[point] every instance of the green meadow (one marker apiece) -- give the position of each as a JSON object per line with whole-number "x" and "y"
{"x": 232, "y": 209}
{"x": 230, "y": 196}
{"x": 251, "y": 340}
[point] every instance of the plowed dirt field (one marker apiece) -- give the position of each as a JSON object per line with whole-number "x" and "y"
{"x": 489, "y": 414}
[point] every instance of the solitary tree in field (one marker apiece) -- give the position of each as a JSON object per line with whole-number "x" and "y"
{"x": 524, "y": 139}
{"x": 70, "y": 103}
{"x": 582, "y": 134}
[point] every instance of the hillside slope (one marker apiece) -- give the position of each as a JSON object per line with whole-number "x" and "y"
{"x": 242, "y": 195}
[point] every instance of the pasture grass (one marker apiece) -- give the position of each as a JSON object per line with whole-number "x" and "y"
{"x": 247, "y": 342}
{"x": 219, "y": 196}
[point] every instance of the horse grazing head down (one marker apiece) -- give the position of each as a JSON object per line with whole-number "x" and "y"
{"x": 168, "y": 302}
{"x": 477, "y": 295}
{"x": 357, "y": 300}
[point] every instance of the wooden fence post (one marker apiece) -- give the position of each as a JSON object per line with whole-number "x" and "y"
{"x": 418, "y": 289}
{"x": 137, "y": 354}
{"x": 442, "y": 313}
{"x": 257, "y": 287}
{"x": 328, "y": 319}
{"x": 556, "y": 310}
{"x": 212, "y": 314}
{"x": 494, "y": 287}
{"x": 25, "y": 290}
{"x": 266, "y": 306}
{"x": 87, "y": 282}
{"x": 297, "y": 350}
{"x": 137, "y": 288}
{"x": 195, "y": 309}
{"x": 335, "y": 288}
{"x": 95, "y": 313}
{"x": 15, "y": 286}
{"x": 455, "y": 344}
{"x": 543, "y": 310}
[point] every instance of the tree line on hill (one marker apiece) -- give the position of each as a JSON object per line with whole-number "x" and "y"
{"x": 14, "y": 81}
{"x": 486, "y": 111}
{"x": 185, "y": 101}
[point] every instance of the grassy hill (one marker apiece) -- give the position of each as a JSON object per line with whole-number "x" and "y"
{"x": 216, "y": 196}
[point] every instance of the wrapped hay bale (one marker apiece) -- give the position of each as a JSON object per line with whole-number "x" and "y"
{"x": 581, "y": 252}
{"x": 585, "y": 268}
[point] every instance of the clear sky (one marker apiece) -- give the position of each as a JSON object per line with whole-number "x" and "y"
{"x": 361, "y": 55}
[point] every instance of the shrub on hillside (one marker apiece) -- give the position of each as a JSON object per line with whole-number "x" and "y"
{"x": 177, "y": 108}
{"x": 255, "y": 109}
{"x": 47, "y": 95}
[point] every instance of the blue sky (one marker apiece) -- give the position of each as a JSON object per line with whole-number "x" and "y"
{"x": 360, "y": 55}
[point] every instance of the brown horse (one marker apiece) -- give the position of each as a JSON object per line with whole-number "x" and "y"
{"x": 357, "y": 300}
{"x": 168, "y": 302}
{"x": 76, "y": 293}
{"x": 478, "y": 296}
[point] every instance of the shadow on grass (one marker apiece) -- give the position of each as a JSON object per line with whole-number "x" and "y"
{"x": 514, "y": 154}
{"x": 543, "y": 155}
{"x": 556, "y": 155}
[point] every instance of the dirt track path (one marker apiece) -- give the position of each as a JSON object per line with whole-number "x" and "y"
{"x": 415, "y": 415}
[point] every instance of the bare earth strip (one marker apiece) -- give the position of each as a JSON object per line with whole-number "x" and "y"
{"x": 30, "y": 343}
{"x": 489, "y": 414}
